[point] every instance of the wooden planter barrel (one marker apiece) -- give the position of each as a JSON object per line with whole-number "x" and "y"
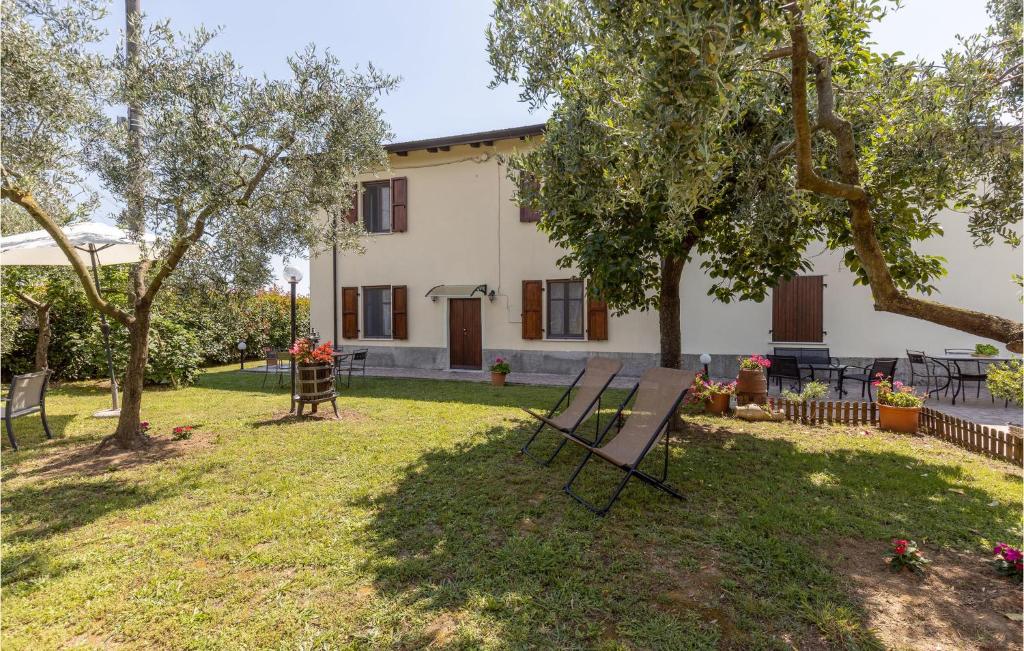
{"x": 314, "y": 383}
{"x": 751, "y": 386}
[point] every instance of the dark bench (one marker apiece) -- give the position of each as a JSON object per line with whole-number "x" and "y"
{"x": 806, "y": 356}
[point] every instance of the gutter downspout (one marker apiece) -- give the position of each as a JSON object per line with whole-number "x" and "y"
{"x": 334, "y": 282}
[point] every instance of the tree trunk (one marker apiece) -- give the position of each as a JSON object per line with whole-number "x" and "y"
{"x": 669, "y": 322}
{"x": 43, "y": 338}
{"x": 128, "y": 435}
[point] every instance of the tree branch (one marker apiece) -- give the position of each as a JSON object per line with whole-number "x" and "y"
{"x": 887, "y": 296}
{"x": 43, "y": 218}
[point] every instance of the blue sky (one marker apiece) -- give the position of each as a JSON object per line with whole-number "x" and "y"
{"x": 438, "y": 49}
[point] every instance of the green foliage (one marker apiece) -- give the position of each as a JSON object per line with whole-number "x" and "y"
{"x": 1006, "y": 381}
{"x": 813, "y": 390}
{"x": 985, "y": 349}
{"x": 659, "y": 142}
{"x": 190, "y": 329}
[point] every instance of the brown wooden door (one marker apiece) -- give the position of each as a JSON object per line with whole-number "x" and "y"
{"x": 465, "y": 347}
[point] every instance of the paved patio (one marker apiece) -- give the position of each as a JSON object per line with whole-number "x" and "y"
{"x": 979, "y": 410}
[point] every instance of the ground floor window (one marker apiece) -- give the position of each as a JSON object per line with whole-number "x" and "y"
{"x": 565, "y": 309}
{"x": 377, "y": 312}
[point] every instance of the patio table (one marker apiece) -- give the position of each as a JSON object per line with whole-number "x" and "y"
{"x": 827, "y": 370}
{"x": 947, "y": 359}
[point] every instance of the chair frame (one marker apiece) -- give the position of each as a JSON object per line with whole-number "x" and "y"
{"x": 270, "y": 353}
{"x": 9, "y": 415}
{"x": 339, "y": 371}
{"x": 631, "y": 470}
{"x": 869, "y": 372}
{"x": 594, "y": 408}
{"x": 773, "y": 374}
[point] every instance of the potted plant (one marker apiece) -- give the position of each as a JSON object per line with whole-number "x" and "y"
{"x": 752, "y": 383}
{"x": 898, "y": 405}
{"x": 713, "y": 395}
{"x": 499, "y": 369}
{"x": 314, "y": 371}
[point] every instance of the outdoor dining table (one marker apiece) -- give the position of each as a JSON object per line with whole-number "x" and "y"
{"x": 827, "y": 370}
{"x": 947, "y": 359}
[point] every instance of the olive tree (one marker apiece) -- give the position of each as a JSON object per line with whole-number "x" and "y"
{"x": 657, "y": 148}
{"x": 903, "y": 142}
{"x": 216, "y": 162}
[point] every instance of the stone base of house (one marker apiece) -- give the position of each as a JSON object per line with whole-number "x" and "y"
{"x": 562, "y": 362}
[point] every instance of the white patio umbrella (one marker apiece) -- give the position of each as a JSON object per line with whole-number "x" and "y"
{"x": 91, "y": 240}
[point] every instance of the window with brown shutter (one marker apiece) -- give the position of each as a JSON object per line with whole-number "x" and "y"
{"x": 352, "y": 216}
{"x": 399, "y": 204}
{"x": 597, "y": 319}
{"x": 797, "y": 313}
{"x": 533, "y": 302}
{"x": 527, "y": 214}
{"x": 350, "y": 312}
{"x": 399, "y": 313}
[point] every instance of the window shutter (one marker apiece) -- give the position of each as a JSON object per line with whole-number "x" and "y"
{"x": 350, "y": 312}
{"x": 597, "y": 319}
{"x": 533, "y": 301}
{"x": 352, "y": 216}
{"x": 797, "y": 312}
{"x": 399, "y": 204}
{"x": 527, "y": 214}
{"x": 399, "y": 313}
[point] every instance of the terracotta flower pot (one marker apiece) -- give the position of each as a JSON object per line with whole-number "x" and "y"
{"x": 498, "y": 379}
{"x": 751, "y": 381}
{"x": 898, "y": 419}
{"x": 717, "y": 404}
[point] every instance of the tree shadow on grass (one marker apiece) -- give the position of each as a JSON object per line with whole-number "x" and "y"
{"x": 428, "y": 390}
{"x": 38, "y": 510}
{"x": 484, "y": 541}
{"x": 29, "y": 433}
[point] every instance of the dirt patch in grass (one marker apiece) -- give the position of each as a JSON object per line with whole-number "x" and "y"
{"x": 324, "y": 413}
{"x": 84, "y": 460}
{"x": 958, "y": 602}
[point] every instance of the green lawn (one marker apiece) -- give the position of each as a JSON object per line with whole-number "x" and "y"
{"x": 414, "y": 521}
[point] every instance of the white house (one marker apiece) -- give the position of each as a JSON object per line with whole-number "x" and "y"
{"x": 455, "y": 273}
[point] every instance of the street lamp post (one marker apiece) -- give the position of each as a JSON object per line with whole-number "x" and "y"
{"x": 293, "y": 276}
{"x": 241, "y": 354}
{"x": 705, "y": 359}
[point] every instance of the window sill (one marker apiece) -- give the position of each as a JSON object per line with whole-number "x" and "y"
{"x": 565, "y": 338}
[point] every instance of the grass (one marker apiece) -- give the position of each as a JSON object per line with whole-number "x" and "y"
{"x": 414, "y": 521}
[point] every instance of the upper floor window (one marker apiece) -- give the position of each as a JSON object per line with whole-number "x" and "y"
{"x": 377, "y": 312}
{"x": 377, "y": 207}
{"x": 565, "y": 309}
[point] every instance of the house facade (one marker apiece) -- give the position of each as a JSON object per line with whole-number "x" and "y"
{"x": 456, "y": 273}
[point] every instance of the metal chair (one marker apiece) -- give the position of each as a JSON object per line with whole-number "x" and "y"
{"x": 356, "y": 363}
{"x": 922, "y": 366}
{"x": 884, "y": 365}
{"x": 786, "y": 367}
{"x": 27, "y": 395}
{"x": 274, "y": 362}
{"x": 973, "y": 374}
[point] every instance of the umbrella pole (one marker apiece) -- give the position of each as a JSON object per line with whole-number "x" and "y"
{"x": 105, "y": 329}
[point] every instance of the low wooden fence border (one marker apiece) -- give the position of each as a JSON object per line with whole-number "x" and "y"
{"x": 963, "y": 433}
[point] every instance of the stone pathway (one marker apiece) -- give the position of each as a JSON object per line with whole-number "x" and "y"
{"x": 980, "y": 410}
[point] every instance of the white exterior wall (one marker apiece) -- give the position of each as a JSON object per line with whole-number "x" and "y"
{"x": 464, "y": 229}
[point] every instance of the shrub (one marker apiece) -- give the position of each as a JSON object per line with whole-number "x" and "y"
{"x": 500, "y": 366}
{"x": 1006, "y": 381}
{"x": 704, "y": 389}
{"x": 1009, "y": 561}
{"x": 813, "y": 390}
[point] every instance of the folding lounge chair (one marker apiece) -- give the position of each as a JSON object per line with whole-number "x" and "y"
{"x": 658, "y": 396}
{"x": 589, "y": 384}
